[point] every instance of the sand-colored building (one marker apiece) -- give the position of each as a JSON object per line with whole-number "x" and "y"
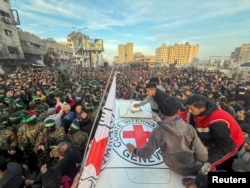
{"x": 125, "y": 53}
{"x": 241, "y": 54}
{"x": 177, "y": 53}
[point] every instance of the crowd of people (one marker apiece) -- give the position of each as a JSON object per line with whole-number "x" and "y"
{"x": 47, "y": 117}
{"x": 215, "y": 105}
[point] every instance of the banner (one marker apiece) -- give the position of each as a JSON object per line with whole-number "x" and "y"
{"x": 101, "y": 147}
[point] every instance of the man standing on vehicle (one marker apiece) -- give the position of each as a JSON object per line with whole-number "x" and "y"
{"x": 217, "y": 129}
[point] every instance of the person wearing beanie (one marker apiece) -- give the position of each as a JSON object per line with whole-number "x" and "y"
{"x": 187, "y": 157}
{"x": 48, "y": 138}
{"x": 16, "y": 120}
{"x": 8, "y": 97}
{"x": 16, "y": 106}
{"x": 28, "y": 133}
{"x": 76, "y": 137}
{"x": 4, "y": 121}
{"x": 37, "y": 100}
{"x": 88, "y": 106}
{"x": 41, "y": 112}
{"x": 8, "y": 142}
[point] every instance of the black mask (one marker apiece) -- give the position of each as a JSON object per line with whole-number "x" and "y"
{"x": 51, "y": 129}
{"x": 72, "y": 131}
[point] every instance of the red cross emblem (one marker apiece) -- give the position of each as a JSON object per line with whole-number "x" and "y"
{"x": 138, "y": 134}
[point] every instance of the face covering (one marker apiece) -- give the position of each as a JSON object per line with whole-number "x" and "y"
{"x": 72, "y": 131}
{"x": 51, "y": 129}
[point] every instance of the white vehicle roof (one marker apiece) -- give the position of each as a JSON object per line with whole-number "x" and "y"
{"x": 125, "y": 170}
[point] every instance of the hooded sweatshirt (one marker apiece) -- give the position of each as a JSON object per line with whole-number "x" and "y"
{"x": 182, "y": 150}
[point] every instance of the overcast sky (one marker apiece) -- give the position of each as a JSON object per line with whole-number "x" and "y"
{"x": 217, "y": 26}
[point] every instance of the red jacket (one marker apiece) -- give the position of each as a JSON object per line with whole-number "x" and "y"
{"x": 204, "y": 122}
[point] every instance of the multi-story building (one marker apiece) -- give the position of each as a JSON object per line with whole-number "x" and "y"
{"x": 241, "y": 54}
{"x": 20, "y": 48}
{"x": 10, "y": 47}
{"x": 33, "y": 47}
{"x": 86, "y": 51}
{"x": 125, "y": 53}
{"x": 180, "y": 54}
{"x": 48, "y": 50}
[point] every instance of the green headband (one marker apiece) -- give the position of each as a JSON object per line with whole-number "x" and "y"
{"x": 90, "y": 107}
{"x": 51, "y": 92}
{"x": 97, "y": 99}
{"x": 40, "y": 109}
{"x": 29, "y": 119}
{"x": 36, "y": 98}
{"x": 13, "y": 118}
{"x": 74, "y": 126}
{"x": 7, "y": 100}
{"x": 19, "y": 105}
{"x": 50, "y": 124}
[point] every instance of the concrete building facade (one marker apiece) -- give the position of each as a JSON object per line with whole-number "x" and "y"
{"x": 86, "y": 52}
{"x": 241, "y": 54}
{"x": 179, "y": 54}
{"x": 10, "y": 46}
{"x": 21, "y": 48}
{"x": 125, "y": 53}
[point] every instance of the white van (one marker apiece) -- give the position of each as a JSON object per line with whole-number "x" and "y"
{"x": 109, "y": 164}
{"x": 125, "y": 170}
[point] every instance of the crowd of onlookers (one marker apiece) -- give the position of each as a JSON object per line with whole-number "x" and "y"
{"x": 47, "y": 116}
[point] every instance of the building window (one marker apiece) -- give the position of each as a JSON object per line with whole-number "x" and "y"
{"x": 8, "y": 32}
{"x": 13, "y": 50}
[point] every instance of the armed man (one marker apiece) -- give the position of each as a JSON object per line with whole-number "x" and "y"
{"x": 76, "y": 137}
{"x": 28, "y": 133}
{"x": 48, "y": 138}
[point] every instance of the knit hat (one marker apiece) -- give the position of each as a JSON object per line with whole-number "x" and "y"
{"x": 29, "y": 118}
{"x": 50, "y": 123}
{"x": 97, "y": 99}
{"x": 16, "y": 116}
{"x": 39, "y": 108}
{"x": 36, "y": 98}
{"x": 8, "y": 100}
{"x": 20, "y": 106}
{"x": 23, "y": 113}
{"x": 75, "y": 126}
{"x": 90, "y": 107}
